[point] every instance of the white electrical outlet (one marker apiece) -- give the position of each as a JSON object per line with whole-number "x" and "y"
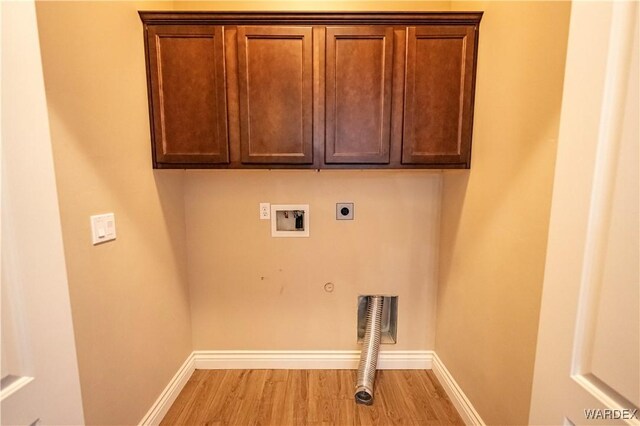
{"x": 103, "y": 228}
{"x": 265, "y": 211}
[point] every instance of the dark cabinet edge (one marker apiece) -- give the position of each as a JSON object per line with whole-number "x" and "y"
{"x": 309, "y": 18}
{"x": 149, "y": 98}
{"x": 473, "y": 95}
{"x": 209, "y": 166}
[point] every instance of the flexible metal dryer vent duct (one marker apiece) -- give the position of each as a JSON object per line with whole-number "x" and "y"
{"x": 369, "y": 354}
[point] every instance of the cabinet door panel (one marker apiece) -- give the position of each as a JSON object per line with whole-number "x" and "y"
{"x": 358, "y": 94}
{"x": 276, "y": 98}
{"x": 438, "y": 95}
{"x": 188, "y": 100}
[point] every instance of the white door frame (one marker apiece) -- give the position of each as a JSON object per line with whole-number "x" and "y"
{"x": 601, "y": 61}
{"x": 38, "y": 345}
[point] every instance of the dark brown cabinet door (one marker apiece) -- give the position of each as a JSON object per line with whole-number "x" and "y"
{"x": 276, "y": 94}
{"x": 188, "y": 99}
{"x": 438, "y": 110}
{"x": 359, "y": 65}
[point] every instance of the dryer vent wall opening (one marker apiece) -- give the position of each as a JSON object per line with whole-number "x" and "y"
{"x": 370, "y": 348}
{"x": 389, "y": 329}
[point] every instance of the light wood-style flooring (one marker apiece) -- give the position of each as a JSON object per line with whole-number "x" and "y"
{"x": 310, "y": 397}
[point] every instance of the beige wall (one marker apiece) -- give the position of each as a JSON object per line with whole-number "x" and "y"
{"x": 321, "y": 5}
{"x": 495, "y": 217}
{"x": 252, "y": 291}
{"x": 129, "y": 298}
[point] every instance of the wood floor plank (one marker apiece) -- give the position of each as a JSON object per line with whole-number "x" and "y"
{"x": 216, "y": 397}
{"x": 310, "y": 398}
{"x": 206, "y": 385}
{"x": 345, "y": 414}
{"x": 422, "y": 401}
{"x": 395, "y": 407}
{"x": 245, "y": 403}
{"x": 346, "y": 384}
{"x": 297, "y": 397}
{"x": 447, "y": 413}
{"x": 185, "y": 399}
{"x": 271, "y": 410}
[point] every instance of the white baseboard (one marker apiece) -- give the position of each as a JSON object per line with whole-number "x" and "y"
{"x": 309, "y": 360}
{"x": 168, "y": 396}
{"x": 466, "y": 410}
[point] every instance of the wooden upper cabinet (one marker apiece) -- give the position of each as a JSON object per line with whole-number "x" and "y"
{"x": 359, "y": 65}
{"x": 311, "y": 89}
{"x": 276, "y": 94}
{"x": 438, "y": 108}
{"x": 186, "y": 78}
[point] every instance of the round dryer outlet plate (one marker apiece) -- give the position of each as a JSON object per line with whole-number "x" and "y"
{"x": 344, "y": 211}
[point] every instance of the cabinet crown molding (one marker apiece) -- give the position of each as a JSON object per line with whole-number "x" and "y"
{"x": 310, "y": 18}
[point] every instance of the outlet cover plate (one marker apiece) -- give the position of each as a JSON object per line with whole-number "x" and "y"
{"x": 265, "y": 211}
{"x": 103, "y": 228}
{"x": 344, "y": 211}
